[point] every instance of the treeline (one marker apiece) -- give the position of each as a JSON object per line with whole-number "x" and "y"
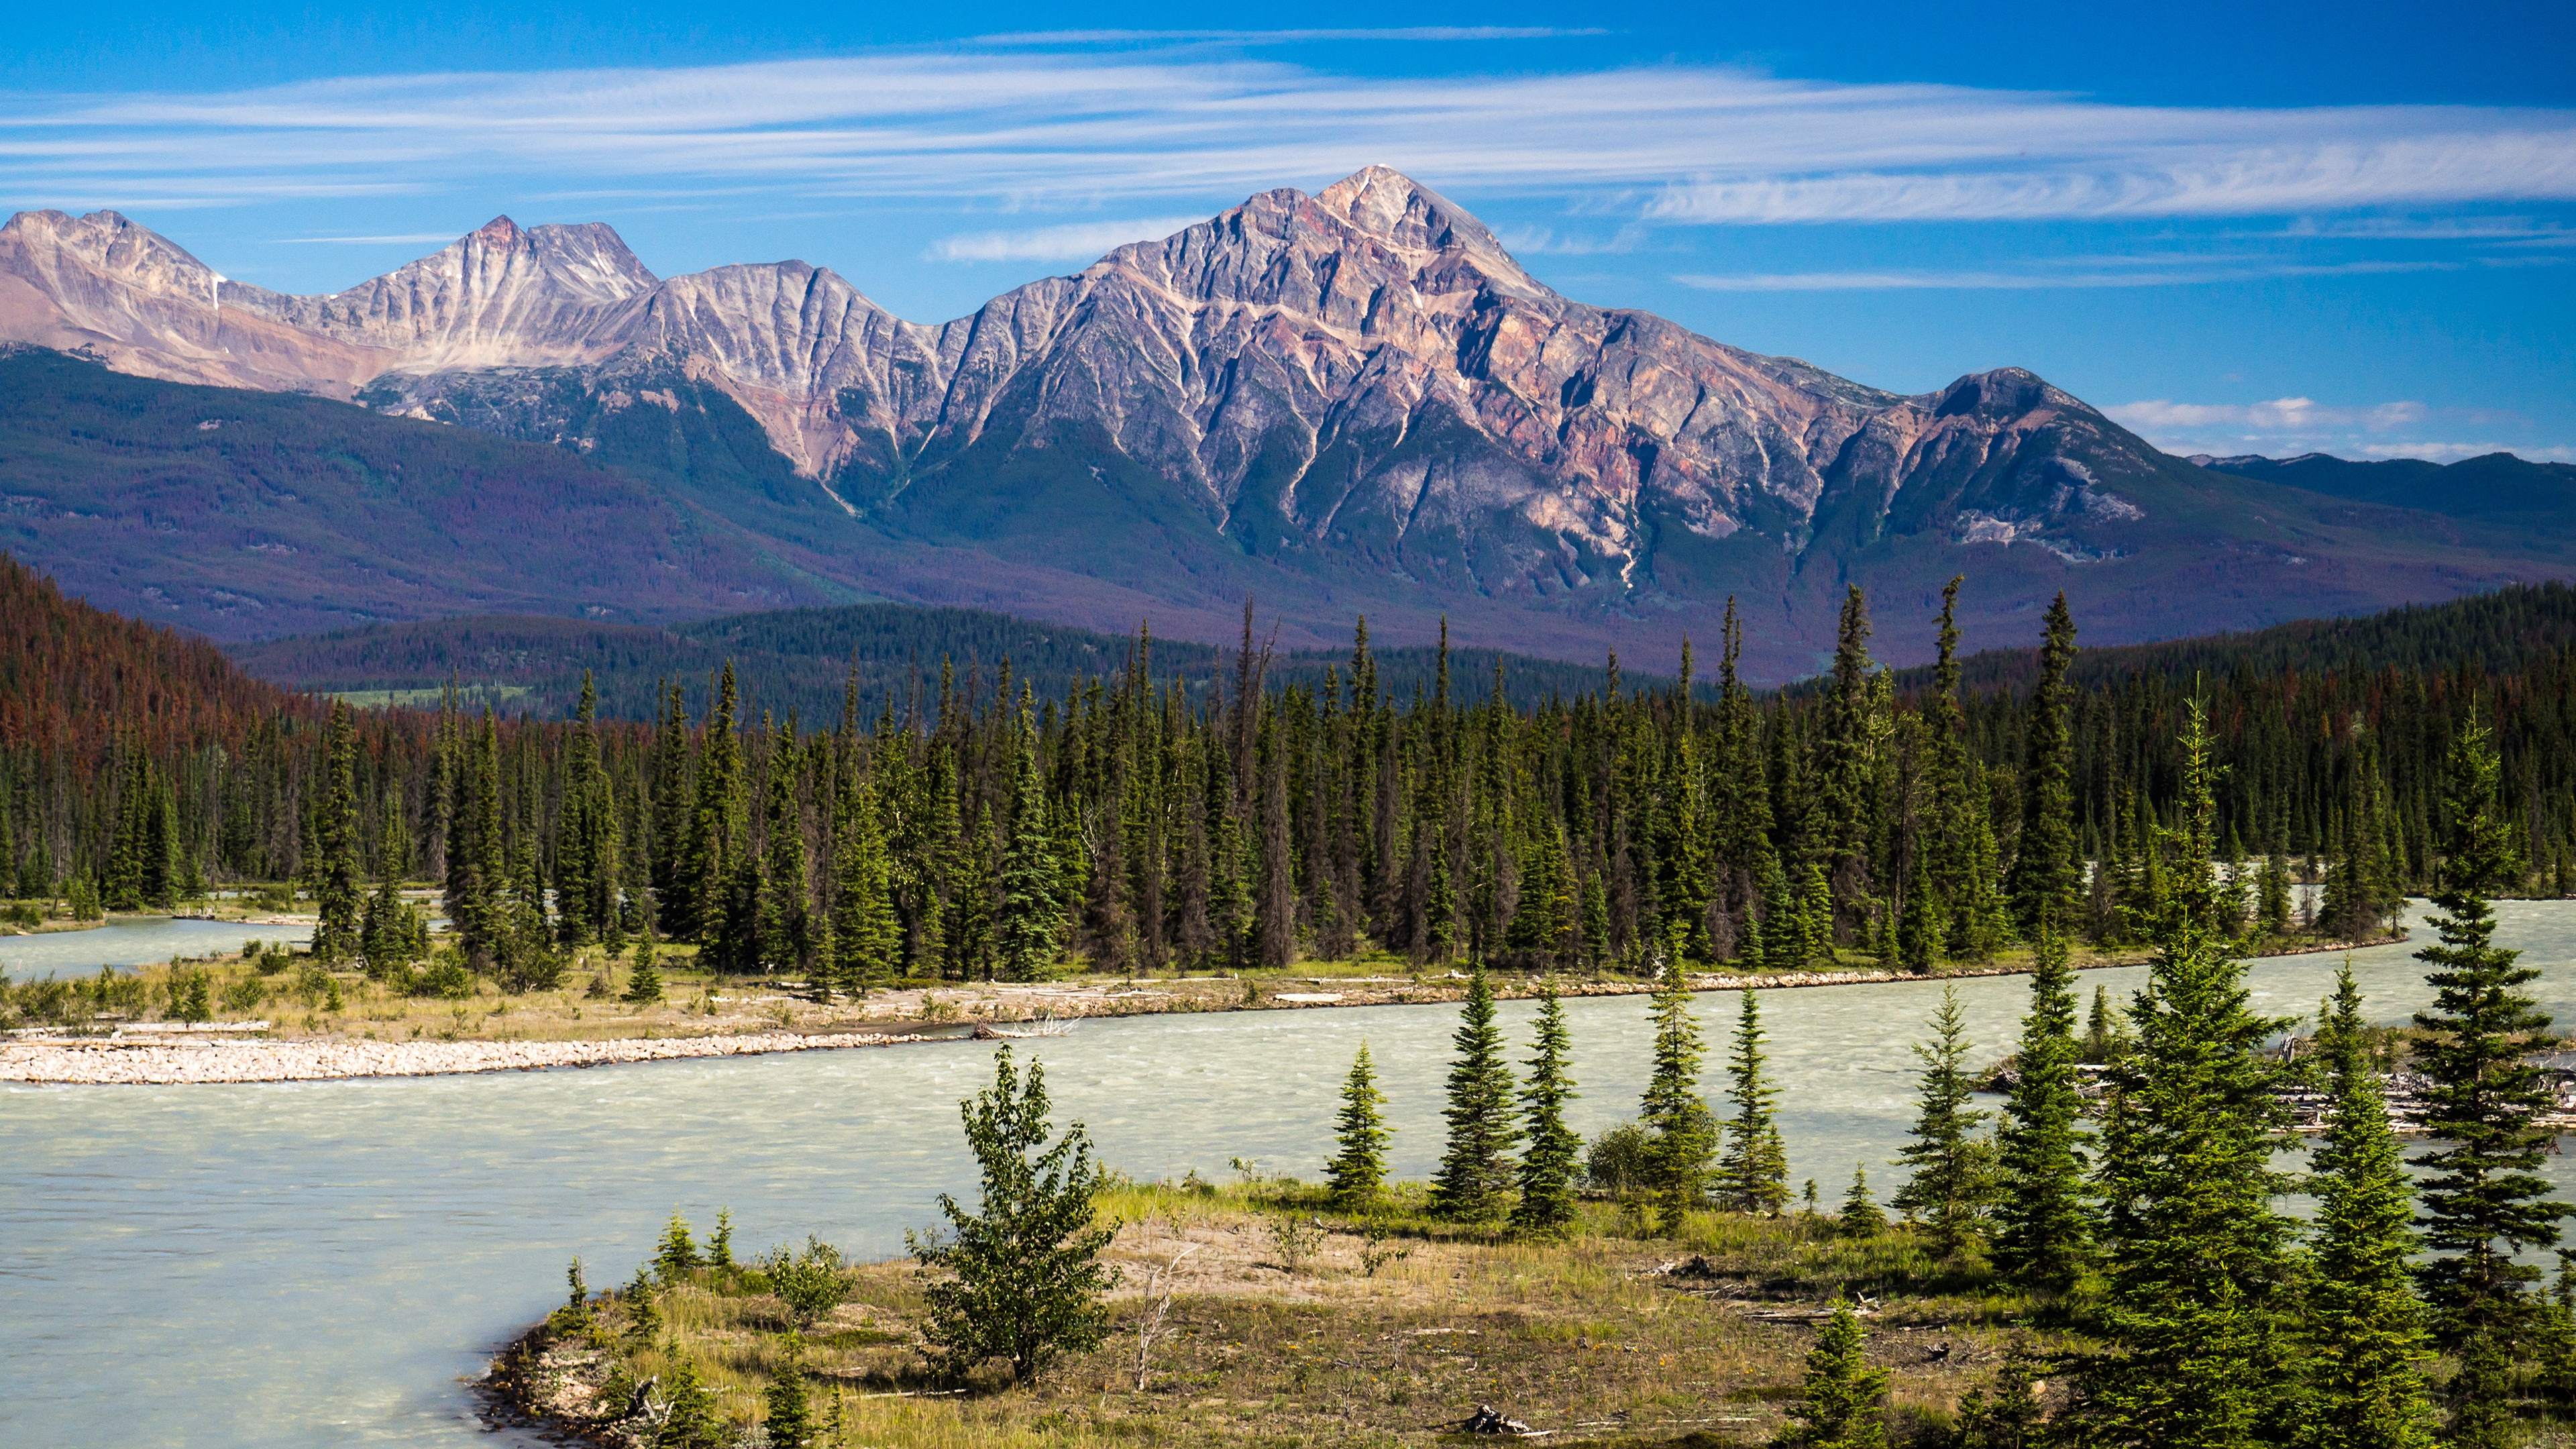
{"x": 801, "y": 661}
{"x": 1140, "y": 824}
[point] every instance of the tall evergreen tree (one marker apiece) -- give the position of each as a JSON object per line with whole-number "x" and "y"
{"x": 786, "y": 935}
{"x": 1754, "y": 1169}
{"x": 335, "y": 934}
{"x": 586, "y": 863}
{"x": 716, "y": 835}
{"x": 2197, "y": 1260}
{"x": 1031, "y": 916}
{"x": 864, "y": 931}
{"x": 1952, "y": 1163}
{"x": 2043, "y": 1214}
{"x": 2365, "y": 1326}
{"x": 1474, "y": 1183}
{"x": 1358, "y": 1169}
{"x": 1685, "y": 1131}
{"x": 2047, "y": 875}
{"x": 1549, "y": 1163}
{"x": 2483, "y": 1202}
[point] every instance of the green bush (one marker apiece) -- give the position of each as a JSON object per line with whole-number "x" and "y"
{"x": 245, "y": 995}
{"x": 1620, "y": 1161}
{"x": 811, "y": 1283}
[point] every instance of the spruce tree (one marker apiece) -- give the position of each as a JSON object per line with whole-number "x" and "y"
{"x": 717, "y": 828}
{"x": 1860, "y": 1216}
{"x": 644, "y": 985}
{"x": 864, "y": 933}
{"x": 1474, "y": 1183}
{"x": 1549, "y": 1164}
{"x": 1358, "y": 1169}
{"x": 789, "y": 1421}
{"x": 1026, "y": 926}
{"x": 2043, "y": 1214}
{"x": 584, "y": 871}
{"x": 335, "y": 935}
{"x": 1952, "y": 1164}
{"x": 2483, "y": 1201}
{"x": 785, "y": 928}
{"x": 1754, "y": 1169}
{"x": 1842, "y": 1403}
{"x": 2196, "y": 1258}
{"x": 2365, "y": 1327}
{"x": 2046, "y": 876}
{"x": 1685, "y": 1132}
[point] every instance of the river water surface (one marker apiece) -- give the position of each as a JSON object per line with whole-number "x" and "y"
{"x": 132, "y": 941}
{"x": 309, "y": 1264}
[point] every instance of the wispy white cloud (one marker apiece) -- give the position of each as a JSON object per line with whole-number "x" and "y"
{"x": 404, "y": 239}
{"x": 1079, "y": 241}
{"x": 2168, "y": 271}
{"x": 1543, "y": 241}
{"x": 1092, "y": 117}
{"x": 2286, "y": 427}
{"x": 1286, "y": 37}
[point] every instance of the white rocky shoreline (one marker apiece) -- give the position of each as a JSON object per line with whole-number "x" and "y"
{"x": 127, "y": 1062}
{"x": 170, "y": 1054}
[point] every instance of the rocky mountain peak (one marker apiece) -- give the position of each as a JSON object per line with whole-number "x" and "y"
{"x": 113, "y": 245}
{"x": 1397, "y": 211}
{"x": 500, "y": 232}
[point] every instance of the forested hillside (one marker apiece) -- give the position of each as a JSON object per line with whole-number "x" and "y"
{"x": 801, "y": 660}
{"x": 1138, "y": 822}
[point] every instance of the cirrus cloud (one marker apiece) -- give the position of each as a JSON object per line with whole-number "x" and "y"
{"x": 1039, "y": 122}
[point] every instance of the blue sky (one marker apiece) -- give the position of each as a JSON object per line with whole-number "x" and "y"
{"x": 2240, "y": 227}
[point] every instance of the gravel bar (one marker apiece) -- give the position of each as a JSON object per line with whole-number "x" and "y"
{"x": 130, "y": 1063}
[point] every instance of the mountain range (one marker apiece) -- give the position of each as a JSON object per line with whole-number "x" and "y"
{"x": 1350, "y": 402}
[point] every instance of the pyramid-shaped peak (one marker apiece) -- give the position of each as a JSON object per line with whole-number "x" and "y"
{"x": 500, "y": 231}
{"x": 1385, "y": 202}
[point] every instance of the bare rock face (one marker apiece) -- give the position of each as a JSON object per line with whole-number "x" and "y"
{"x": 1359, "y": 383}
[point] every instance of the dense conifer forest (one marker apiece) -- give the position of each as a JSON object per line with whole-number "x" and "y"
{"x": 1131, "y": 823}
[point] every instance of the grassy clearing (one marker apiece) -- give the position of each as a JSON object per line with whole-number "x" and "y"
{"x": 1383, "y": 1331}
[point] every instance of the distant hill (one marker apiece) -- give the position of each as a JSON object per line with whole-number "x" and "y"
{"x": 2506, "y": 632}
{"x": 71, "y": 674}
{"x": 2494, "y": 488}
{"x": 798, "y": 660}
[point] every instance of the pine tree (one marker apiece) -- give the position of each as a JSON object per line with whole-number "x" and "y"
{"x": 2043, "y": 1215}
{"x": 2365, "y": 1326}
{"x": 1685, "y": 1131}
{"x": 2045, "y": 873}
{"x": 718, "y": 827}
{"x": 335, "y": 935}
{"x": 864, "y": 931}
{"x": 1842, "y": 1403}
{"x": 1860, "y": 1216}
{"x": 1474, "y": 1183}
{"x": 1549, "y": 1164}
{"x": 789, "y": 1422}
{"x": 1952, "y": 1165}
{"x": 644, "y": 985}
{"x": 1031, "y": 912}
{"x": 785, "y": 928}
{"x": 586, "y": 854}
{"x": 1358, "y": 1169}
{"x": 1754, "y": 1170}
{"x": 2483, "y": 1202}
{"x": 2195, "y": 1255}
